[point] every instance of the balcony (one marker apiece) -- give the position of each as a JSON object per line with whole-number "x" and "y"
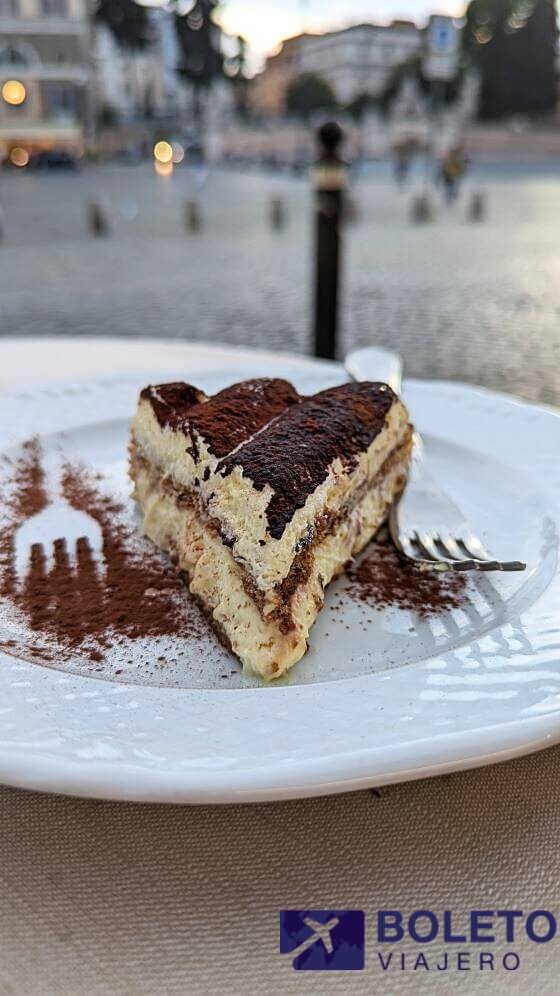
{"x": 59, "y": 71}
{"x": 43, "y": 26}
{"x": 41, "y": 132}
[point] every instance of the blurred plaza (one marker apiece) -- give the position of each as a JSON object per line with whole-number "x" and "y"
{"x": 460, "y": 299}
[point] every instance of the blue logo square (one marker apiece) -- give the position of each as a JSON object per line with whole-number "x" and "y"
{"x": 323, "y": 940}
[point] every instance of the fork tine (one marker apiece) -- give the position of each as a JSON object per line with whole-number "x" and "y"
{"x": 88, "y": 567}
{"x": 404, "y": 544}
{"x": 486, "y": 562}
{"x": 427, "y": 544}
{"x": 474, "y": 548}
{"x": 62, "y": 565}
{"x": 458, "y": 554}
{"x": 415, "y": 549}
{"x": 452, "y": 548}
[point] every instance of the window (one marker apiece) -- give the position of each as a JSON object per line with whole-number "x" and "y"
{"x": 54, "y": 8}
{"x": 9, "y": 8}
{"x": 12, "y": 55}
{"x": 59, "y": 99}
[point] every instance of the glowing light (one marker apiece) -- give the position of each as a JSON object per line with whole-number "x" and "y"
{"x": 178, "y": 153}
{"x": 19, "y": 156}
{"x": 163, "y": 152}
{"x": 14, "y": 92}
{"x": 163, "y": 169}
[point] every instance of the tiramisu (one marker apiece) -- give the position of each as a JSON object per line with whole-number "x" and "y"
{"x": 263, "y": 496}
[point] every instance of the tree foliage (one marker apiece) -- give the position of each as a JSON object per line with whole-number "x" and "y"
{"x": 307, "y": 94}
{"x": 199, "y": 38}
{"x": 361, "y": 104}
{"x": 128, "y": 21}
{"x": 412, "y": 68}
{"x": 513, "y": 44}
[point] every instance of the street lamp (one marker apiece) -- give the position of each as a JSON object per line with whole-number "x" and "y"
{"x": 14, "y": 92}
{"x": 163, "y": 152}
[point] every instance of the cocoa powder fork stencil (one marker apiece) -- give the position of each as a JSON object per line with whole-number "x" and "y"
{"x": 41, "y": 536}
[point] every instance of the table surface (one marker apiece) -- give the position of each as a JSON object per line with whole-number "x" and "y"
{"x": 110, "y": 898}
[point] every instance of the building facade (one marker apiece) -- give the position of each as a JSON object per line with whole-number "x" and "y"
{"x": 43, "y": 74}
{"x": 133, "y": 84}
{"x": 354, "y": 61}
{"x": 268, "y": 89}
{"x": 359, "y": 59}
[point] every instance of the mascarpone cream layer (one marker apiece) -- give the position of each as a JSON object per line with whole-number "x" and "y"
{"x": 217, "y": 579}
{"x": 170, "y": 448}
{"x": 241, "y": 509}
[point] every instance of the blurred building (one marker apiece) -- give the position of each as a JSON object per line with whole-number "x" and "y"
{"x": 268, "y": 89}
{"x": 43, "y": 74}
{"x": 354, "y": 61}
{"x": 138, "y": 84}
{"x": 145, "y": 85}
{"x": 359, "y": 59}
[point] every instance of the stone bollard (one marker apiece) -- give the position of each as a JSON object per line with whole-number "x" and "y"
{"x": 193, "y": 217}
{"x": 422, "y": 210}
{"x": 477, "y": 207}
{"x": 98, "y": 223}
{"x": 277, "y": 214}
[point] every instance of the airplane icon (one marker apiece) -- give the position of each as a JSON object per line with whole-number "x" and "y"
{"x": 321, "y": 934}
{"x": 327, "y": 940}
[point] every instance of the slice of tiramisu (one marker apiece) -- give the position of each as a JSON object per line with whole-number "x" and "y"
{"x": 263, "y": 496}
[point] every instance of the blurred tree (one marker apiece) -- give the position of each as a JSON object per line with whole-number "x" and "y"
{"x": 128, "y": 21}
{"x": 130, "y": 25}
{"x": 235, "y": 69}
{"x": 361, "y": 104}
{"x": 513, "y": 43}
{"x": 413, "y": 68}
{"x": 201, "y": 57}
{"x": 309, "y": 93}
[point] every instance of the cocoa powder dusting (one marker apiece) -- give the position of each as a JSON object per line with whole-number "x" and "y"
{"x": 383, "y": 579}
{"x": 138, "y": 595}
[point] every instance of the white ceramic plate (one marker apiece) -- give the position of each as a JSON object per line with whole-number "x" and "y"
{"x": 380, "y": 697}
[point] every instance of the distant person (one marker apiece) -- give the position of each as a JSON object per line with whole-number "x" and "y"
{"x": 401, "y": 164}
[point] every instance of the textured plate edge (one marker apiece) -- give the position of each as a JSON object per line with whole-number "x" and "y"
{"x": 131, "y": 784}
{"x": 74, "y": 783}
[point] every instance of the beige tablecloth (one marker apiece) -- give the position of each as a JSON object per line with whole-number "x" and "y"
{"x": 106, "y": 898}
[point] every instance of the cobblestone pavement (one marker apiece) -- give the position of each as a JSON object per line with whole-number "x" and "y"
{"x": 478, "y": 302}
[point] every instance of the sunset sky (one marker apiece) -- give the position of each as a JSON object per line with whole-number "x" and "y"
{"x": 264, "y": 23}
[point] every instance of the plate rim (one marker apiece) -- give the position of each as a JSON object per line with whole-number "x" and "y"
{"x": 46, "y": 773}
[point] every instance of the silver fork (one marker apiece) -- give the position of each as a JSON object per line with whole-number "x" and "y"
{"x": 57, "y": 523}
{"x": 426, "y": 526}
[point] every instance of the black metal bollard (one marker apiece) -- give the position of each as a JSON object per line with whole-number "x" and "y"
{"x": 330, "y": 183}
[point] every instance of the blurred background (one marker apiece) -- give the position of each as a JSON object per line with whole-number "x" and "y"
{"x": 157, "y": 178}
